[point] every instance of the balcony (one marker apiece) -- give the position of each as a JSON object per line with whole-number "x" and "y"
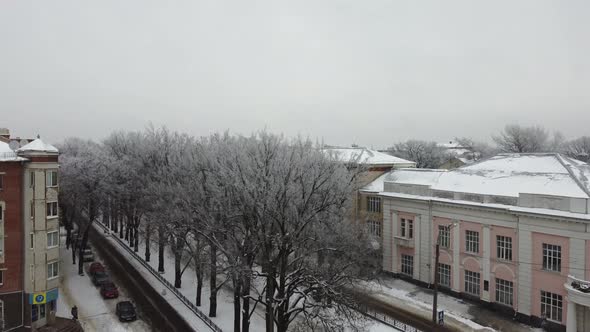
{"x": 578, "y": 290}
{"x": 403, "y": 242}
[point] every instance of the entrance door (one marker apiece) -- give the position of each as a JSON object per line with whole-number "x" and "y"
{"x": 583, "y": 318}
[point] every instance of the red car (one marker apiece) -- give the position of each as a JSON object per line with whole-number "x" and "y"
{"x": 95, "y": 267}
{"x": 109, "y": 291}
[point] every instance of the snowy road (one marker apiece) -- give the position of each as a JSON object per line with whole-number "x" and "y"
{"x": 94, "y": 312}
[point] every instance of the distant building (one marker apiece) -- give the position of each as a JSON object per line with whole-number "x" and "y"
{"x": 377, "y": 164}
{"x": 514, "y": 233}
{"x": 29, "y": 233}
{"x": 457, "y": 155}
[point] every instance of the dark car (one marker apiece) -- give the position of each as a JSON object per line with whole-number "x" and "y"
{"x": 100, "y": 278}
{"x": 126, "y": 311}
{"x": 95, "y": 267}
{"x": 109, "y": 291}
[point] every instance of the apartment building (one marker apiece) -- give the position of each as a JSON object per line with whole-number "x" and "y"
{"x": 29, "y": 233}
{"x": 513, "y": 232}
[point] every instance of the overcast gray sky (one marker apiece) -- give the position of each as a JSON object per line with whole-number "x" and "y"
{"x": 371, "y": 72}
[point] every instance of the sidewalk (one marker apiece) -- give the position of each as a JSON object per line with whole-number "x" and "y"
{"x": 458, "y": 313}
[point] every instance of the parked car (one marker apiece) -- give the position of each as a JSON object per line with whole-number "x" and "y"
{"x": 100, "y": 278}
{"x": 126, "y": 311}
{"x": 88, "y": 255}
{"x": 109, "y": 291}
{"x": 95, "y": 267}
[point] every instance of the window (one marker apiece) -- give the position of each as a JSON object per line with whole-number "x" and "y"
{"x": 374, "y": 227}
{"x": 1, "y": 278}
{"x": 374, "y": 204}
{"x": 1, "y": 315}
{"x": 51, "y": 178}
{"x": 504, "y": 247}
{"x": 408, "y": 265}
{"x": 42, "y": 311}
{"x": 1, "y": 182}
{"x": 407, "y": 228}
{"x": 32, "y": 179}
{"x": 34, "y": 313}
{"x": 551, "y": 306}
{"x": 551, "y": 257}
{"x": 51, "y": 209}
{"x": 1, "y": 214}
{"x": 444, "y": 275}
{"x": 32, "y": 209}
{"x": 52, "y": 270}
{"x": 472, "y": 282}
{"x": 1, "y": 245}
{"x": 472, "y": 241}
{"x": 444, "y": 236}
{"x": 504, "y": 292}
{"x": 32, "y": 239}
{"x": 52, "y": 239}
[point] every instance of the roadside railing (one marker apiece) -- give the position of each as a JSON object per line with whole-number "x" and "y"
{"x": 387, "y": 320}
{"x": 163, "y": 280}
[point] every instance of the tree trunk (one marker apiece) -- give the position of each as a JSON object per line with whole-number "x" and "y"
{"x": 74, "y": 252}
{"x": 283, "y": 307}
{"x": 121, "y": 235}
{"x": 270, "y": 292}
{"x": 81, "y": 250}
{"x": 127, "y": 226}
{"x": 247, "y": 278}
{"x": 147, "y": 243}
{"x": 136, "y": 236}
{"x": 212, "y": 280}
{"x": 68, "y": 237}
{"x": 237, "y": 294}
{"x": 161, "y": 246}
{"x": 199, "y": 284}
{"x": 178, "y": 246}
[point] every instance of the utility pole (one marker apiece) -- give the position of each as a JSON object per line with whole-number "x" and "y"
{"x": 434, "y": 301}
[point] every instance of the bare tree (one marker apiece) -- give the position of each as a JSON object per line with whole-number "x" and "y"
{"x": 477, "y": 150}
{"x": 578, "y": 148}
{"x": 424, "y": 154}
{"x": 515, "y": 138}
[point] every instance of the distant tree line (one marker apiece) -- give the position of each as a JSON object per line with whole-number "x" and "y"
{"x": 264, "y": 215}
{"x": 512, "y": 139}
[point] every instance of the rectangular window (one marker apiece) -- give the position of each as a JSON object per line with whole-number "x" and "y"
{"x": 444, "y": 275}
{"x": 1, "y": 182}
{"x": 32, "y": 239}
{"x": 42, "y": 311}
{"x": 408, "y": 265}
{"x": 34, "y": 313}
{"x": 551, "y": 306}
{"x": 472, "y": 283}
{"x": 551, "y": 257}
{"x": 32, "y": 179}
{"x": 32, "y": 209}
{"x": 504, "y": 245}
{"x": 51, "y": 178}
{"x": 504, "y": 292}
{"x": 1, "y": 214}
{"x": 52, "y": 270}
{"x": 52, "y": 239}
{"x": 1, "y": 245}
{"x": 374, "y": 227}
{"x": 1, "y": 278}
{"x": 374, "y": 204}
{"x": 51, "y": 209}
{"x": 444, "y": 236}
{"x": 407, "y": 228}
{"x": 472, "y": 241}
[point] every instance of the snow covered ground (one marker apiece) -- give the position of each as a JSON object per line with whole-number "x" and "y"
{"x": 94, "y": 312}
{"x": 225, "y": 313}
{"x": 458, "y": 313}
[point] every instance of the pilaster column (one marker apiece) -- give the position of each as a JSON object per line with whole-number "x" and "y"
{"x": 571, "y": 323}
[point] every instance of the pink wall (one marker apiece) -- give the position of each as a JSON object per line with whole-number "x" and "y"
{"x": 549, "y": 281}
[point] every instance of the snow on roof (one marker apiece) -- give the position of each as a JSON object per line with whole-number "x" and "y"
{"x": 39, "y": 146}
{"x": 368, "y": 157}
{"x": 7, "y": 154}
{"x": 508, "y": 175}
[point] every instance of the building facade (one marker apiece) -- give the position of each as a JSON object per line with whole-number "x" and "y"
{"x": 513, "y": 232}
{"x": 29, "y": 233}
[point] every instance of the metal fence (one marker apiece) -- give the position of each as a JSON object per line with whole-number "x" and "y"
{"x": 388, "y": 320}
{"x": 163, "y": 280}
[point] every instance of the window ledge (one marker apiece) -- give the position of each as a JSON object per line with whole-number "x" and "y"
{"x": 53, "y": 247}
{"x": 52, "y": 217}
{"x": 53, "y": 278}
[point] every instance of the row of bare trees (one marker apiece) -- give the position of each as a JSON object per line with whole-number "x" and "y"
{"x": 263, "y": 215}
{"x": 512, "y": 139}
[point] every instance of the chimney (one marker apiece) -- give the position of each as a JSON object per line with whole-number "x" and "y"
{"x": 4, "y": 135}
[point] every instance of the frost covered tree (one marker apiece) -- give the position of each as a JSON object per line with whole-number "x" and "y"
{"x": 424, "y": 154}
{"x": 578, "y": 148}
{"x": 478, "y": 150}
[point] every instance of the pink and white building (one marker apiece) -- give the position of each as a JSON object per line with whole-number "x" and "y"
{"x": 513, "y": 230}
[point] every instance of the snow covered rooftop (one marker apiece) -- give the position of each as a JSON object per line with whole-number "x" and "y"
{"x": 7, "y": 154}
{"x": 368, "y": 157}
{"x": 38, "y": 146}
{"x": 506, "y": 175}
